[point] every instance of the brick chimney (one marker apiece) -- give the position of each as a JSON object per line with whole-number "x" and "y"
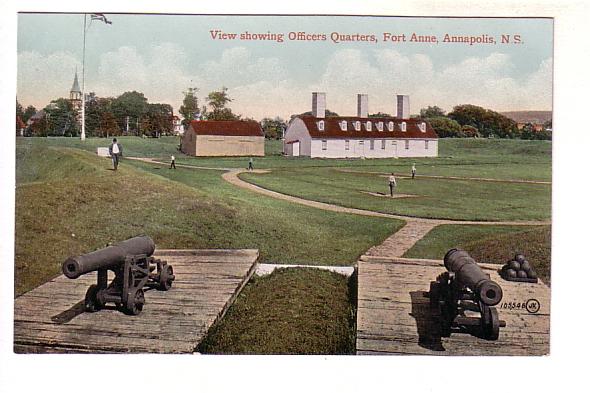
{"x": 318, "y": 104}
{"x": 362, "y": 105}
{"x": 403, "y": 106}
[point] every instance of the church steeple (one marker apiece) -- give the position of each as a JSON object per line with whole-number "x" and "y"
{"x": 75, "y": 92}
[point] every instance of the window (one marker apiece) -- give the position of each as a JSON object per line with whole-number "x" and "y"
{"x": 372, "y": 144}
{"x": 321, "y": 125}
{"x": 403, "y": 126}
{"x": 383, "y": 144}
{"x": 390, "y": 126}
{"x": 343, "y": 125}
{"x": 324, "y": 145}
{"x": 347, "y": 144}
{"x": 357, "y": 125}
{"x": 423, "y": 127}
{"x": 380, "y": 126}
{"x": 369, "y": 126}
{"x": 426, "y": 145}
{"x": 407, "y": 144}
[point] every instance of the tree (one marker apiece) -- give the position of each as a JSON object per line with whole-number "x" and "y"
{"x": 445, "y": 127}
{"x": 329, "y": 113}
{"x": 129, "y": 108}
{"x": 273, "y": 128}
{"x": 487, "y": 122}
{"x": 19, "y": 109}
{"x": 61, "y": 118}
{"x": 380, "y": 114}
{"x": 218, "y": 100}
{"x": 469, "y": 132}
{"x": 190, "y": 106}
{"x": 28, "y": 113}
{"x": 157, "y": 120}
{"x": 431, "y": 112}
{"x": 108, "y": 125}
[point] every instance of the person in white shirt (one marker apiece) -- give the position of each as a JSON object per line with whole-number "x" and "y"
{"x": 116, "y": 151}
{"x": 392, "y": 184}
{"x": 413, "y": 170}
{"x": 172, "y": 164}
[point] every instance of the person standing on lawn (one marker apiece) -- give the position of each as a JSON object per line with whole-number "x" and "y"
{"x": 413, "y": 171}
{"x": 392, "y": 184}
{"x": 116, "y": 151}
{"x": 250, "y": 164}
{"x": 172, "y": 164}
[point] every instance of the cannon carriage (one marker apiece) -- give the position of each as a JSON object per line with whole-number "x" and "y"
{"x": 134, "y": 267}
{"x": 463, "y": 290}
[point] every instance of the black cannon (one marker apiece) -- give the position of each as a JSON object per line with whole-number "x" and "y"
{"x": 462, "y": 290}
{"x": 134, "y": 267}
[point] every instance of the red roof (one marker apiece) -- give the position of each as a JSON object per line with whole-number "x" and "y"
{"x": 227, "y": 128}
{"x": 332, "y": 127}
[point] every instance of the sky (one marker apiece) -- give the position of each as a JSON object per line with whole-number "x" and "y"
{"x": 162, "y": 55}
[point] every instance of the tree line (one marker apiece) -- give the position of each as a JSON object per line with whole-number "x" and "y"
{"x": 468, "y": 121}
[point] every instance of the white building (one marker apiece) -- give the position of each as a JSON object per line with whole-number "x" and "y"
{"x": 316, "y": 135}
{"x": 177, "y": 127}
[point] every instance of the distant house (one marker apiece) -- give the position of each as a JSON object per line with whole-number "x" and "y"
{"x": 20, "y": 126}
{"x": 316, "y": 135}
{"x": 177, "y": 127}
{"x": 223, "y": 138}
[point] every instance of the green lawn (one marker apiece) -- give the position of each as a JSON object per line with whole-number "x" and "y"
{"x": 291, "y": 311}
{"x": 489, "y": 244}
{"x": 435, "y": 198}
{"x": 70, "y": 202}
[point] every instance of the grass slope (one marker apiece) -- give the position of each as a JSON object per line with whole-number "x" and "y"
{"x": 496, "y": 244}
{"x": 291, "y": 311}
{"x": 69, "y": 202}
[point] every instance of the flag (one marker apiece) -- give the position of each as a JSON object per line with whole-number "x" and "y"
{"x": 101, "y": 18}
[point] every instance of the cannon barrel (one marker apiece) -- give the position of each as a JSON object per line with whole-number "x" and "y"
{"x": 470, "y": 275}
{"x": 107, "y": 257}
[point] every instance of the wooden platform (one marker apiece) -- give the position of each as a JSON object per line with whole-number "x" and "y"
{"x": 394, "y": 317}
{"x": 51, "y": 318}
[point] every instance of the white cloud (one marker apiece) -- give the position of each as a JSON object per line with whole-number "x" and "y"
{"x": 262, "y": 86}
{"x": 44, "y": 78}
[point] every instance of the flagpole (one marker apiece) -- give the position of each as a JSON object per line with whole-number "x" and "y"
{"x": 83, "y": 133}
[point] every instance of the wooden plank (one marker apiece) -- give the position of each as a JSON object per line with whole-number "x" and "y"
{"x": 51, "y": 318}
{"x": 393, "y": 314}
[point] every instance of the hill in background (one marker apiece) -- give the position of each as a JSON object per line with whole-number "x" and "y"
{"x": 534, "y": 117}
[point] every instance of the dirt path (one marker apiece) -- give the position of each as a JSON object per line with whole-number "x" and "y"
{"x": 394, "y": 246}
{"x": 232, "y": 177}
{"x": 401, "y": 241}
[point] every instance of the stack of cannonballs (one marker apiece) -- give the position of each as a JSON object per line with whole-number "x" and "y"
{"x": 518, "y": 269}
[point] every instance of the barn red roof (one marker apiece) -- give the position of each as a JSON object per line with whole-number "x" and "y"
{"x": 227, "y": 128}
{"x": 332, "y": 127}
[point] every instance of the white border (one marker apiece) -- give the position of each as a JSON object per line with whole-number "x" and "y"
{"x": 564, "y": 370}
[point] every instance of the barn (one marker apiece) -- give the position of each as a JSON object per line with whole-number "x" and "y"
{"x": 223, "y": 138}
{"x": 359, "y": 136}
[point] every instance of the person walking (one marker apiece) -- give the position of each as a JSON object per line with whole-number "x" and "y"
{"x": 413, "y": 171}
{"x": 172, "y": 164}
{"x": 116, "y": 151}
{"x": 250, "y": 164}
{"x": 392, "y": 184}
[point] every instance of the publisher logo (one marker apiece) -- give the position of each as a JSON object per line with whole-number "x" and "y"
{"x": 533, "y": 306}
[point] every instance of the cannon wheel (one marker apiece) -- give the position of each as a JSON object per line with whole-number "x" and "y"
{"x": 91, "y": 302}
{"x": 166, "y": 277}
{"x": 135, "y": 302}
{"x": 490, "y": 322}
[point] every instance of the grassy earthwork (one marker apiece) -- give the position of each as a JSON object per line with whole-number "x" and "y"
{"x": 68, "y": 201}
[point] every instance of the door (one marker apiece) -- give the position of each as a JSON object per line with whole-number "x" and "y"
{"x": 295, "y": 149}
{"x": 394, "y": 148}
